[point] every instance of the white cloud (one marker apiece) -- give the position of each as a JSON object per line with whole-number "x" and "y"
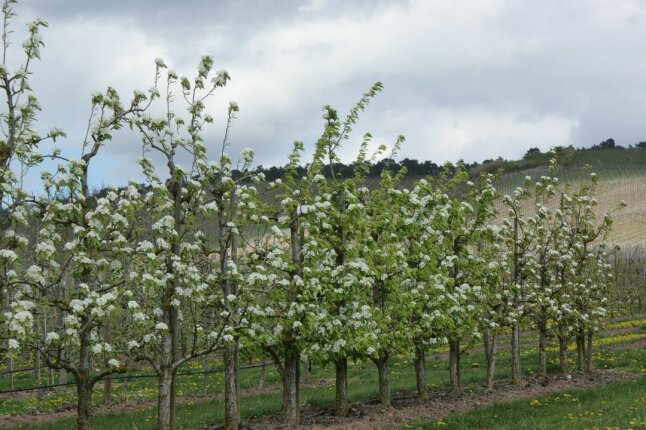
{"x": 476, "y": 133}
{"x": 462, "y": 79}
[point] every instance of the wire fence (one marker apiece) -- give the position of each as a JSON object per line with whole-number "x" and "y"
{"x": 124, "y": 377}
{"x": 22, "y": 369}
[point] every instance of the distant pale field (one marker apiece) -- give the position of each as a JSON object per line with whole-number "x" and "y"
{"x": 629, "y": 225}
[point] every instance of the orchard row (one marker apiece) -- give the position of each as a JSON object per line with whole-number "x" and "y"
{"x": 209, "y": 258}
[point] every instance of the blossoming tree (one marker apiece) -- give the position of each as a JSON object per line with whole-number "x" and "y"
{"x": 170, "y": 264}
{"x": 93, "y": 260}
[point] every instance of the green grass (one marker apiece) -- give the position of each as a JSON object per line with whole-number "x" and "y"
{"x": 363, "y": 385}
{"x": 617, "y": 405}
{"x": 138, "y": 390}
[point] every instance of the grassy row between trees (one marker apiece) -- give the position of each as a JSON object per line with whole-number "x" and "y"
{"x": 613, "y": 353}
{"x": 620, "y": 405}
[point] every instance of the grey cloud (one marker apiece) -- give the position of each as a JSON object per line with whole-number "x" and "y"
{"x": 462, "y": 79}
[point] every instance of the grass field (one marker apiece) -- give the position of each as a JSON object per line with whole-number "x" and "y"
{"x": 614, "y": 351}
{"x": 619, "y": 405}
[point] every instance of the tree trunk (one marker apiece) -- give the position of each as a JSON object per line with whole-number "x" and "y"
{"x": 485, "y": 344}
{"x": 341, "y": 405}
{"x": 107, "y": 392}
{"x": 580, "y": 352}
{"x": 166, "y": 394}
{"x": 83, "y": 403}
{"x": 50, "y": 371}
{"x": 62, "y": 373}
{"x": 164, "y": 399}
{"x": 107, "y": 383}
{"x": 588, "y": 358}
{"x": 231, "y": 403}
{"x": 516, "y": 376}
{"x": 542, "y": 340}
{"x": 454, "y": 365}
{"x": 37, "y": 367}
{"x": 490, "y": 355}
{"x": 291, "y": 370}
{"x": 236, "y": 368}
{"x": 563, "y": 352}
{"x": 384, "y": 387}
{"x": 175, "y": 335}
{"x": 62, "y": 376}
{"x": 123, "y": 386}
{"x": 420, "y": 372}
{"x": 205, "y": 375}
{"x": 12, "y": 383}
{"x": 83, "y": 386}
{"x": 263, "y": 374}
{"x": 123, "y": 395}
{"x": 38, "y": 375}
{"x": 305, "y": 372}
{"x": 231, "y": 354}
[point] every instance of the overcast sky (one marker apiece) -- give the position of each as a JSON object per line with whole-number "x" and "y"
{"x": 462, "y": 79}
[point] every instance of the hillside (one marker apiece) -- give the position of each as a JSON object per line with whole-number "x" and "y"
{"x": 622, "y": 176}
{"x": 621, "y": 173}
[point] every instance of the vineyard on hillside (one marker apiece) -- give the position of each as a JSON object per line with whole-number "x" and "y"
{"x": 621, "y": 178}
